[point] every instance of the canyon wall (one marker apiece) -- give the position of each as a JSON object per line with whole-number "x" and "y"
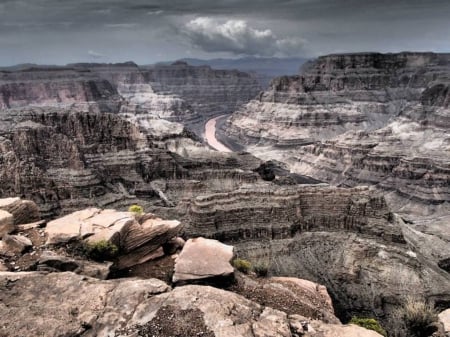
{"x": 209, "y": 91}
{"x": 346, "y": 238}
{"x": 358, "y": 119}
{"x": 98, "y": 134}
{"x": 177, "y": 92}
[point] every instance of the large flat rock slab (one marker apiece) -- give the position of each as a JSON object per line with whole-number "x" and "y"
{"x": 203, "y": 259}
{"x": 67, "y": 304}
{"x": 94, "y": 223}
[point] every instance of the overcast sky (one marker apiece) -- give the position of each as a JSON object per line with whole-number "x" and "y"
{"x": 147, "y": 31}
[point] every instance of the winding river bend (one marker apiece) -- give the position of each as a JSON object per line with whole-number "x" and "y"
{"x": 210, "y": 135}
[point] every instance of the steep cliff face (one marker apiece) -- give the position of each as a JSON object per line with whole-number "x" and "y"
{"x": 345, "y": 238}
{"x": 357, "y": 119}
{"x": 65, "y": 160}
{"x": 60, "y": 86}
{"x": 88, "y": 134}
{"x": 337, "y": 93}
{"x": 176, "y": 92}
{"x": 209, "y": 91}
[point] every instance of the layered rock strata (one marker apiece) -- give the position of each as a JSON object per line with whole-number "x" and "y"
{"x": 346, "y": 239}
{"x": 337, "y": 93}
{"x": 361, "y": 119}
{"x": 177, "y": 92}
{"x": 209, "y": 91}
{"x": 100, "y": 134}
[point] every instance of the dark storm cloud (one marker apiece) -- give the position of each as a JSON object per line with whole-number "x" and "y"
{"x": 149, "y": 30}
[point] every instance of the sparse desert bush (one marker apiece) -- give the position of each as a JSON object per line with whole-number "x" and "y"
{"x": 419, "y": 317}
{"x": 261, "y": 269}
{"x": 138, "y": 210}
{"x": 101, "y": 250}
{"x": 369, "y": 323}
{"x": 242, "y": 265}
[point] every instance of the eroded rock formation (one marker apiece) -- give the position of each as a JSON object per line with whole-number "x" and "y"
{"x": 346, "y": 239}
{"x": 357, "y": 119}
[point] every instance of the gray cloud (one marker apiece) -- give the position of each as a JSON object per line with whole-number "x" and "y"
{"x": 58, "y": 31}
{"x": 121, "y": 25}
{"x": 237, "y": 37}
{"x": 94, "y": 54}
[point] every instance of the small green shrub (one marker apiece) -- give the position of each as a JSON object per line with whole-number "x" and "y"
{"x": 101, "y": 250}
{"x": 136, "y": 209}
{"x": 261, "y": 269}
{"x": 369, "y": 323}
{"x": 242, "y": 265}
{"x": 420, "y": 318}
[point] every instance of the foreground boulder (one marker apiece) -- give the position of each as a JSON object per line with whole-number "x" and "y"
{"x": 137, "y": 238}
{"x": 145, "y": 241}
{"x": 23, "y": 211}
{"x": 288, "y": 294}
{"x": 444, "y": 319}
{"x": 6, "y": 223}
{"x": 66, "y": 304}
{"x": 15, "y": 244}
{"x": 98, "y": 224}
{"x": 203, "y": 259}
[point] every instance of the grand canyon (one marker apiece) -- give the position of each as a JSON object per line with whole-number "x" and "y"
{"x": 341, "y": 176}
{"x": 252, "y": 197}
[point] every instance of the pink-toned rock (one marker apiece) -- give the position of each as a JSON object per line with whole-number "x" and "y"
{"x": 69, "y": 227}
{"x": 23, "y": 211}
{"x": 91, "y": 223}
{"x": 16, "y": 244}
{"x": 203, "y": 259}
{"x": 156, "y": 230}
{"x": 6, "y": 223}
{"x": 315, "y": 290}
{"x": 444, "y": 319}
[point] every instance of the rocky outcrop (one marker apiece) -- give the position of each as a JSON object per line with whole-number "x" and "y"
{"x": 23, "y": 211}
{"x": 52, "y": 262}
{"x": 69, "y": 304}
{"x": 202, "y": 260}
{"x": 288, "y": 294}
{"x": 14, "y": 212}
{"x": 6, "y": 223}
{"x": 14, "y": 244}
{"x": 136, "y": 242}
